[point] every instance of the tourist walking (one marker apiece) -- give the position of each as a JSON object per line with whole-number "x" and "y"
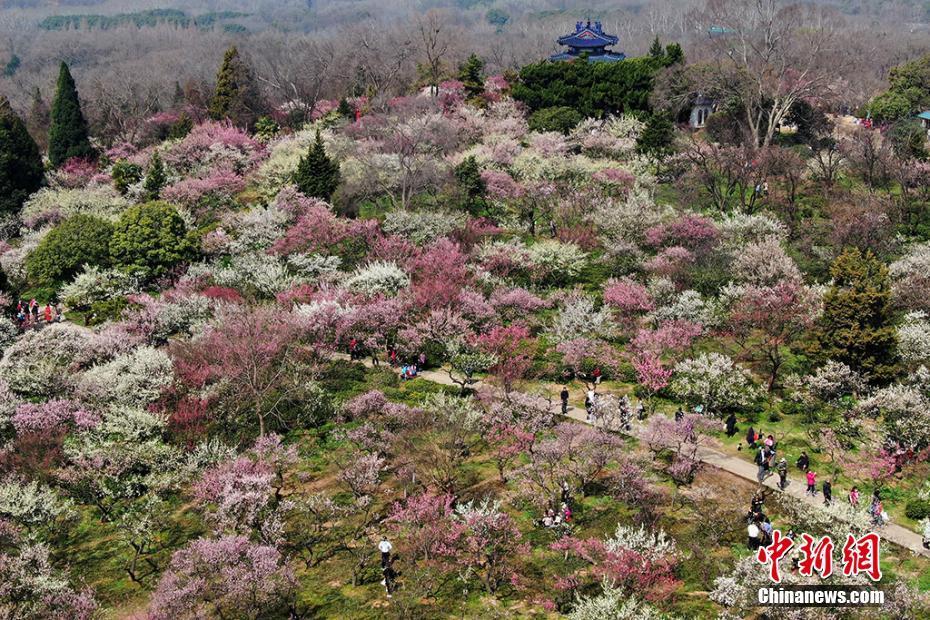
{"x": 385, "y": 547}
{"x": 782, "y": 469}
{"x": 751, "y": 437}
{"x": 827, "y": 493}
{"x": 752, "y": 536}
{"x": 811, "y": 482}
{"x": 563, "y": 395}
{"x": 762, "y": 463}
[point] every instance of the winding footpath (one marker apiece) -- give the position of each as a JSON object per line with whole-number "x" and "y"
{"x": 893, "y": 532}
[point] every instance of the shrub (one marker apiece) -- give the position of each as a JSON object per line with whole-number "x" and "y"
{"x": 150, "y": 239}
{"x": 559, "y": 118}
{"x": 124, "y": 174}
{"x": 917, "y": 509}
{"x": 78, "y": 242}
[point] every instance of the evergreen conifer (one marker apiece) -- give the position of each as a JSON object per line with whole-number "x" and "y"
{"x": 68, "y": 134}
{"x": 317, "y": 174}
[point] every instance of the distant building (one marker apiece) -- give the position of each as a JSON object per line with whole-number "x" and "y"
{"x": 700, "y": 110}
{"x": 590, "y": 40}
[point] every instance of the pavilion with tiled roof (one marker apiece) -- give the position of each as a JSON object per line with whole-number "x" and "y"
{"x": 590, "y": 40}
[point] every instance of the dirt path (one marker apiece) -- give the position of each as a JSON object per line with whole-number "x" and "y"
{"x": 893, "y": 532}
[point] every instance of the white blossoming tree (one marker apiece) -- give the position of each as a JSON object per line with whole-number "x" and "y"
{"x": 577, "y": 318}
{"x": 914, "y": 338}
{"x": 714, "y": 381}
{"x": 379, "y": 277}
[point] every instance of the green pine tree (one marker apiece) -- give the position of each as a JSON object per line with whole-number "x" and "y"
{"x": 674, "y": 55}
{"x": 237, "y": 96}
{"x": 657, "y": 136}
{"x": 317, "y": 174}
{"x": 181, "y": 127}
{"x": 21, "y": 171}
{"x": 856, "y": 327}
{"x": 345, "y": 110}
{"x": 68, "y": 135}
{"x": 656, "y": 51}
{"x": 471, "y": 185}
{"x": 155, "y": 178}
{"x": 471, "y": 74}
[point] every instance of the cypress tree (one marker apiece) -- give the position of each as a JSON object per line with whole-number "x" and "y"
{"x": 856, "y": 327}
{"x": 155, "y": 178}
{"x": 236, "y": 96}
{"x": 21, "y": 170}
{"x": 68, "y": 134}
{"x": 317, "y": 174}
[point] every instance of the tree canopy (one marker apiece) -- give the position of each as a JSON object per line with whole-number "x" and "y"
{"x": 21, "y": 171}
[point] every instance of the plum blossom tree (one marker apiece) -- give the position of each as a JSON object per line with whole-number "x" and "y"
{"x": 629, "y": 298}
{"x": 613, "y": 603}
{"x": 633, "y": 559}
{"x": 30, "y": 587}
{"x": 490, "y": 543}
{"x": 466, "y": 361}
{"x": 651, "y": 375}
{"x": 436, "y": 442}
{"x": 684, "y": 438}
{"x": 765, "y": 320}
{"x": 582, "y": 356}
{"x": 576, "y": 454}
{"x": 119, "y": 460}
{"x": 578, "y": 318}
{"x": 228, "y": 577}
{"x": 244, "y": 495}
{"x": 429, "y": 539}
{"x": 512, "y": 347}
{"x": 250, "y": 359}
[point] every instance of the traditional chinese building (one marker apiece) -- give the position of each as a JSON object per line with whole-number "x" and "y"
{"x": 589, "y": 40}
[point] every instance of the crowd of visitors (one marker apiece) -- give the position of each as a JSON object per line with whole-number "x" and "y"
{"x": 31, "y": 315}
{"x": 561, "y": 518}
{"x": 409, "y": 369}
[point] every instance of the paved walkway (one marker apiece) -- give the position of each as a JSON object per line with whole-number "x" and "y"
{"x": 897, "y": 534}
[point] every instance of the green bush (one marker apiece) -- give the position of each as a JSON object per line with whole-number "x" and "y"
{"x": 150, "y": 239}
{"x": 107, "y": 310}
{"x": 560, "y": 118}
{"x": 917, "y": 509}
{"x": 125, "y": 174}
{"x": 79, "y": 241}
